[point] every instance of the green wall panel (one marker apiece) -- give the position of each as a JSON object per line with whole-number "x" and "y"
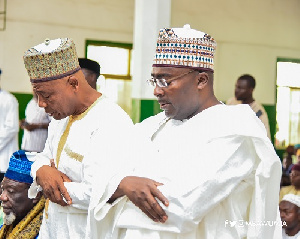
{"x": 142, "y": 109}
{"x": 23, "y": 100}
{"x": 271, "y": 111}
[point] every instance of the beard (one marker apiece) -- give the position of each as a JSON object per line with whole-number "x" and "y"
{"x": 9, "y": 219}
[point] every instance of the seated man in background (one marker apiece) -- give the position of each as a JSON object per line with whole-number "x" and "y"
{"x": 294, "y": 188}
{"x": 285, "y": 180}
{"x": 22, "y": 216}
{"x": 287, "y": 165}
{"x": 290, "y": 215}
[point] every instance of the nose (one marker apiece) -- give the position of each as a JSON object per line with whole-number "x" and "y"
{"x": 41, "y": 102}
{"x": 282, "y": 216}
{"x": 3, "y": 196}
{"x": 158, "y": 91}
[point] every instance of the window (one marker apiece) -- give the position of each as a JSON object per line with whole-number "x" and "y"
{"x": 115, "y": 62}
{"x": 288, "y": 103}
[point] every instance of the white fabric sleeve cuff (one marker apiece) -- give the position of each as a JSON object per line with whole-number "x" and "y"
{"x": 34, "y": 187}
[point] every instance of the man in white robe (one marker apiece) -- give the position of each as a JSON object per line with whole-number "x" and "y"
{"x": 84, "y": 123}
{"x": 9, "y": 128}
{"x": 207, "y": 170}
{"x": 35, "y": 126}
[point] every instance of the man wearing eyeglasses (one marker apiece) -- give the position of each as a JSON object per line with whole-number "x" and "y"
{"x": 294, "y": 188}
{"x": 206, "y": 170}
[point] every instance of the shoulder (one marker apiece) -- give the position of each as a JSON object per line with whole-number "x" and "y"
{"x": 8, "y": 97}
{"x": 106, "y": 109}
{"x": 240, "y": 113}
{"x": 227, "y": 120}
{"x": 256, "y": 106}
{"x": 153, "y": 120}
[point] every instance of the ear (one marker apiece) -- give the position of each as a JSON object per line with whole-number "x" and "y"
{"x": 73, "y": 81}
{"x": 202, "y": 80}
{"x": 37, "y": 198}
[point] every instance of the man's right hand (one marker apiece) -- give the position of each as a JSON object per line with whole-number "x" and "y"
{"x": 143, "y": 192}
{"x": 52, "y": 182}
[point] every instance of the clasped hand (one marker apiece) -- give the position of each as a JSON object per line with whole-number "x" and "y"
{"x": 52, "y": 182}
{"x": 143, "y": 192}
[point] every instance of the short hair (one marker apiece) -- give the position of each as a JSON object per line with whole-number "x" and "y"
{"x": 249, "y": 78}
{"x": 91, "y": 65}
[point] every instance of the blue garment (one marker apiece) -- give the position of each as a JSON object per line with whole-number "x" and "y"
{"x": 288, "y": 170}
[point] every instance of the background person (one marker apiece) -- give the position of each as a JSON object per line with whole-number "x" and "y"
{"x": 35, "y": 126}
{"x": 290, "y": 215}
{"x": 91, "y": 71}
{"x": 294, "y": 188}
{"x": 9, "y": 128}
{"x": 244, "y": 88}
{"x": 22, "y": 216}
{"x": 171, "y": 194}
{"x": 82, "y": 118}
{"x": 287, "y": 164}
{"x": 298, "y": 156}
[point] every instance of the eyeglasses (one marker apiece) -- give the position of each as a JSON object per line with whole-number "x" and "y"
{"x": 162, "y": 82}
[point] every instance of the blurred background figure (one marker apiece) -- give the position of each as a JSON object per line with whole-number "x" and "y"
{"x": 285, "y": 180}
{"x": 294, "y": 188}
{"x": 287, "y": 164}
{"x": 291, "y": 152}
{"x": 35, "y": 126}
{"x": 298, "y": 156}
{"x": 244, "y": 88}
{"x": 91, "y": 71}
{"x": 22, "y": 216}
{"x": 289, "y": 209}
{"x": 9, "y": 128}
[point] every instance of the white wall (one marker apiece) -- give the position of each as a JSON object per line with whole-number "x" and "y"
{"x": 30, "y": 22}
{"x": 250, "y": 34}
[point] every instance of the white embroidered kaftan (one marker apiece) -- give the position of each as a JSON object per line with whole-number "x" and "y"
{"x": 96, "y": 132}
{"x": 220, "y": 172}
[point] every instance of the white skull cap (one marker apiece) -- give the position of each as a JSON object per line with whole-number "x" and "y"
{"x": 295, "y": 199}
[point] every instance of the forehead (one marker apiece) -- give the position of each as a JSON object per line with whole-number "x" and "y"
{"x": 242, "y": 83}
{"x": 285, "y": 205}
{"x": 167, "y": 70}
{"x": 6, "y": 182}
{"x": 45, "y": 86}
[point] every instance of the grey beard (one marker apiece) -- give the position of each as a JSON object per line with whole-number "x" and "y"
{"x": 9, "y": 219}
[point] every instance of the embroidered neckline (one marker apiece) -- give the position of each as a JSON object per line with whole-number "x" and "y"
{"x": 72, "y": 119}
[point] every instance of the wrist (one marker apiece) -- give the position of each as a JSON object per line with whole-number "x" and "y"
{"x": 118, "y": 193}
